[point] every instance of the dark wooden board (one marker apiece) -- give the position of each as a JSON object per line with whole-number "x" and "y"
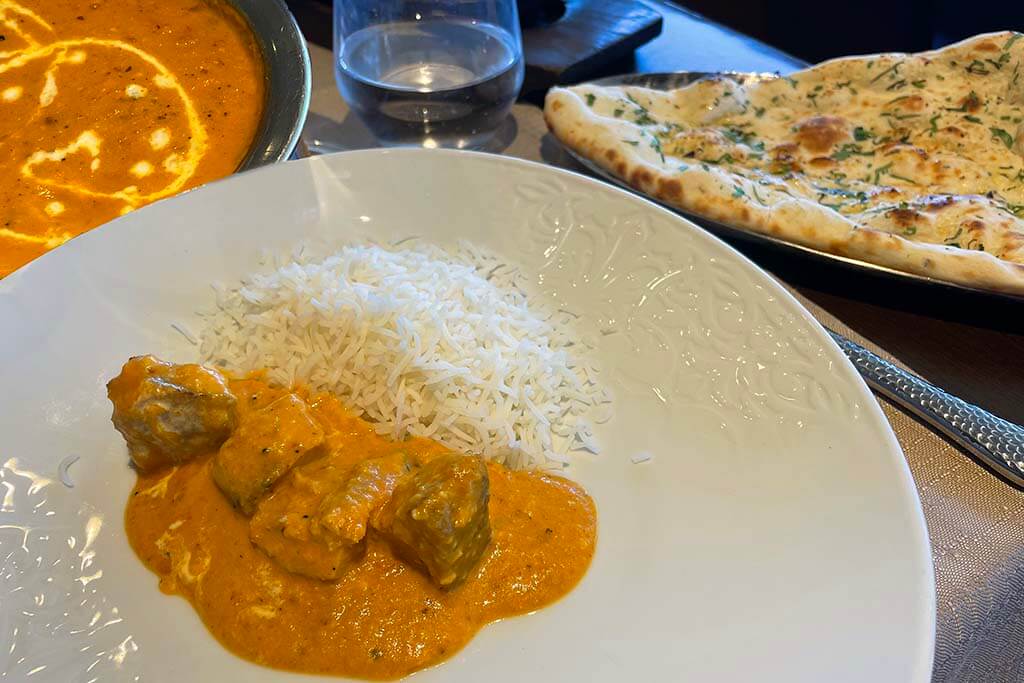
{"x": 589, "y": 36}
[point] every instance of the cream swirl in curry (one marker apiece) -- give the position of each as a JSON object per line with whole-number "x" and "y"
{"x": 106, "y": 106}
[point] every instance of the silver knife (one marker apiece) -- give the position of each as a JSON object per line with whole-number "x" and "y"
{"x": 996, "y": 442}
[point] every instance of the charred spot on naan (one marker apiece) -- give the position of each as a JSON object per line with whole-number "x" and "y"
{"x": 670, "y": 189}
{"x": 971, "y": 102}
{"x": 641, "y": 178}
{"x": 904, "y": 217}
{"x": 784, "y": 159}
{"x": 987, "y": 46}
{"x": 819, "y": 134}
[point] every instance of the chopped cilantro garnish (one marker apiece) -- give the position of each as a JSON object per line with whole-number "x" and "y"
{"x": 632, "y": 142}
{"x": 737, "y": 191}
{"x": 971, "y": 102}
{"x": 977, "y": 67}
{"x": 758, "y": 112}
{"x": 656, "y": 146}
{"x": 894, "y": 69}
{"x": 918, "y": 84}
{"x": 910, "y": 230}
{"x": 1006, "y": 138}
{"x": 880, "y": 171}
{"x": 850, "y": 149}
{"x": 972, "y": 119}
{"x": 757, "y": 195}
{"x": 642, "y": 118}
{"x": 998, "y": 63}
{"x": 617, "y": 113}
{"x": 898, "y": 117}
{"x": 590, "y": 99}
{"x": 1011, "y": 40}
{"x": 861, "y": 134}
{"x": 740, "y": 137}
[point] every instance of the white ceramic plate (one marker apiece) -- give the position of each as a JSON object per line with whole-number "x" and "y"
{"x": 775, "y": 536}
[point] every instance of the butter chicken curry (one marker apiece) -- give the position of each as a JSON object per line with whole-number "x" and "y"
{"x": 107, "y": 105}
{"x": 308, "y": 542}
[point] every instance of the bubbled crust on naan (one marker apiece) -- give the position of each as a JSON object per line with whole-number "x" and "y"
{"x": 912, "y": 162}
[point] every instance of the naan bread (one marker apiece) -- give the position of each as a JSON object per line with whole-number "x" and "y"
{"x": 913, "y": 162}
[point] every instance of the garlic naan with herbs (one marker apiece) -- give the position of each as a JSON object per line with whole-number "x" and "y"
{"x": 913, "y": 162}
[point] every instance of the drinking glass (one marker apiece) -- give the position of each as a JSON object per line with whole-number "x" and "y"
{"x": 440, "y": 73}
{"x": 433, "y": 73}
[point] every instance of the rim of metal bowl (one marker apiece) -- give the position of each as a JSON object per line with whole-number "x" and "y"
{"x": 287, "y": 80}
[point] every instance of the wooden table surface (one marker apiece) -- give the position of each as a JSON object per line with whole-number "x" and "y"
{"x": 971, "y": 345}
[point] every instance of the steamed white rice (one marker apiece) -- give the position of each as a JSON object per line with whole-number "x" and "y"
{"x": 421, "y": 342}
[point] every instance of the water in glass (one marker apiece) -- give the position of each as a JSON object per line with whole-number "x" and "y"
{"x": 435, "y": 83}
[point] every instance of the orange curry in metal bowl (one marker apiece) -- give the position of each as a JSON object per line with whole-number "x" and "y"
{"x": 306, "y": 541}
{"x": 108, "y": 105}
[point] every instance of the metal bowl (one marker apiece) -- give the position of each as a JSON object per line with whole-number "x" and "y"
{"x": 287, "y": 80}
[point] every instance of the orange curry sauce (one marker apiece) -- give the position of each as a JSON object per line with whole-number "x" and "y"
{"x": 108, "y": 105}
{"x": 384, "y": 618}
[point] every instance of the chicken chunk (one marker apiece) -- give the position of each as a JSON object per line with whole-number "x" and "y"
{"x": 346, "y": 511}
{"x": 284, "y": 526}
{"x": 438, "y": 517}
{"x": 170, "y": 413}
{"x": 267, "y": 443}
{"x": 315, "y": 521}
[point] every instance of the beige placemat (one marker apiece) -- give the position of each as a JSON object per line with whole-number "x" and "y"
{"x": 975, "y": 521}
{"x": 976, "y": 527}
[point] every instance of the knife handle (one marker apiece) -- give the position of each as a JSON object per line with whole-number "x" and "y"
{"x": 996, "y": 442}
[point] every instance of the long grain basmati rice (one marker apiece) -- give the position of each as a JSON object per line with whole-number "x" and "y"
{"x": 421, "y": 342}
